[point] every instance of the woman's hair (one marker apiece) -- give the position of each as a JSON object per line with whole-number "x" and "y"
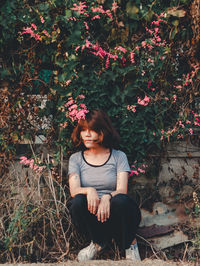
{"x": 98, "y": 121}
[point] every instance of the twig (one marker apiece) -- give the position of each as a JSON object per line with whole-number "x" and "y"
{"x": 185, "y": 251}
{"x": 148, "y": 244}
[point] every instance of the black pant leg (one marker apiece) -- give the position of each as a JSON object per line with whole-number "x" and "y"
{"x": 124, "y": 220}
{"x": 87, "y": 223}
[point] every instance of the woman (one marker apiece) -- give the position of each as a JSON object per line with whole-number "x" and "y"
{"x": 98, "y": 179}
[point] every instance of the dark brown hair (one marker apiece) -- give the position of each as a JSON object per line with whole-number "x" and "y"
{"x": 98, "y": 121}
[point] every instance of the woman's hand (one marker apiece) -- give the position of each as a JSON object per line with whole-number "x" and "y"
{"x": 103, "y": 212}
{"x": 92, "y": 200}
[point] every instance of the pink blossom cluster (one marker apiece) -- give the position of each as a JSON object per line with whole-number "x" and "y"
{"x": 145, "y": 101}
{"x": 181, "y": 126}
{"x": 138, "y": 170}
{"x": 75, "y": 111}
{"x": 168, "y": 133}
{"x": 31, "y": 163}
{"x": 131, "y": 108}
{"x": 149, "y": 85}
{"x": 196, "y": 119}
{"x": 81, "y": 8}
{"x": 155, "y": 40}
{"x": 31, "y": 30}
{"x": 98, "y": 51}
{"x": 174, "y": 98}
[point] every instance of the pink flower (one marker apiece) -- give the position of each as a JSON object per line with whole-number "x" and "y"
{"x": 134, "y": 172}
{"x": 70, "y": 102}
{"x": 150, "y": 47}
{"x": 155, "y": 23}
{"x": 28, "y": 30}
{"x": 141, "y": 170}
{"x": 148, "y": 84}
{"x": 150, "y": 60}
{"x": 80, "y": 8}
{"x": 72, "y": 113}
{"x": 145, "y": 101}
{"x": 82, "y": 105}
{"x": 34, "y": 26}
{"x": 107, "y": 62}
{"x": 108, "y": 12}
{"x": 74, "y": 106}
{"x": 86, "y": 25}
{"x": 174, "y": 97}
{"x": 46, "y": 33}
{"x": 23, "y": 159}
{"x": 78, "y": 47}
{"x": 188, "y": 122}
{"x": 37, "y": 37}
{"x": 158, "y": 39}
{"x": 68, "y": 82}
{"x": 31, "y": 163}
{"x": 81, "y": 114}
{"x": 120, "y": 48}
{"x": 98, "y": 9}
{"x": 150, "y": 31}
{"x": 156, "y": 30}
{"x": 81, "y": 96}
{"x": 131, "y": 108}
{"x": 180, "y": 136}
{"x": 41, "y": 19}
{"x": 114, "y": 6}
{"x": 143, "y": 44}
{"x": 181, "y": 124}
{"x": 96, "y": 17}
{"x": 132, "y": 54}
{"x": 191, "y": 131}
{"x": 196, "y": 123}
{"x": 75, "y": 111}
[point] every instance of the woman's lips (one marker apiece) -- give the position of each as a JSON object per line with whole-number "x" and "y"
{"x": 90, "y": 140}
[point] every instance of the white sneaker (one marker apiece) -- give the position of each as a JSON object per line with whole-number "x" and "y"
{"x": 132, "y": 253}
{"x": 89, "y": 252}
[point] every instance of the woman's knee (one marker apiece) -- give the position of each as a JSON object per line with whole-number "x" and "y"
{"x": 120, "y": 200}
{"x": 124, "y": 203}
{"x": 79, "y": 202}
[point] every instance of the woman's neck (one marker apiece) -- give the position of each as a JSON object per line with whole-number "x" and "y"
{"x": 97, "y": 150}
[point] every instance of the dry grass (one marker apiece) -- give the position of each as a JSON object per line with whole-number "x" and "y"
{"x": 35, "y": 224}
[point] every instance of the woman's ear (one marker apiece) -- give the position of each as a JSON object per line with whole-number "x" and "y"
{"x": 101, "y": 137}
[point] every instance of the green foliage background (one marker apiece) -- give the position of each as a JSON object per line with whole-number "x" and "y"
{"x": 43, "y": 67}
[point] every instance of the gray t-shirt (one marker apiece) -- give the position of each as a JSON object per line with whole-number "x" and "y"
{"x": 102, "y": 177}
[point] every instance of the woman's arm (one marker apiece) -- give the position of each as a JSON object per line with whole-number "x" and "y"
{"x": 91, "y": 193}
{"x": 122, "y": 183}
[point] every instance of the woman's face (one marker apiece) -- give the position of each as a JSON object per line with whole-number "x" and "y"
{"x": 90, "y": 138}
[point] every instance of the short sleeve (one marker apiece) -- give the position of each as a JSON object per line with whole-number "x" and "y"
{"x": 74, "y": 166}
{"x": 122, "y": 163}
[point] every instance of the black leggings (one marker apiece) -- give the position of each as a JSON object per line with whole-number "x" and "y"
{"x": 122, "y": 225}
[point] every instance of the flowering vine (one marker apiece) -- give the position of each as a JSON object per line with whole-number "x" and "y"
{"x": 74, "y": 110}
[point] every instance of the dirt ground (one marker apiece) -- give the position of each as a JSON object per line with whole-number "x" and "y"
{"x": 146, "y": 262}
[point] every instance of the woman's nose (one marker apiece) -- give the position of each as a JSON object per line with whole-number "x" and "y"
{"x": 87, "y": 132}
